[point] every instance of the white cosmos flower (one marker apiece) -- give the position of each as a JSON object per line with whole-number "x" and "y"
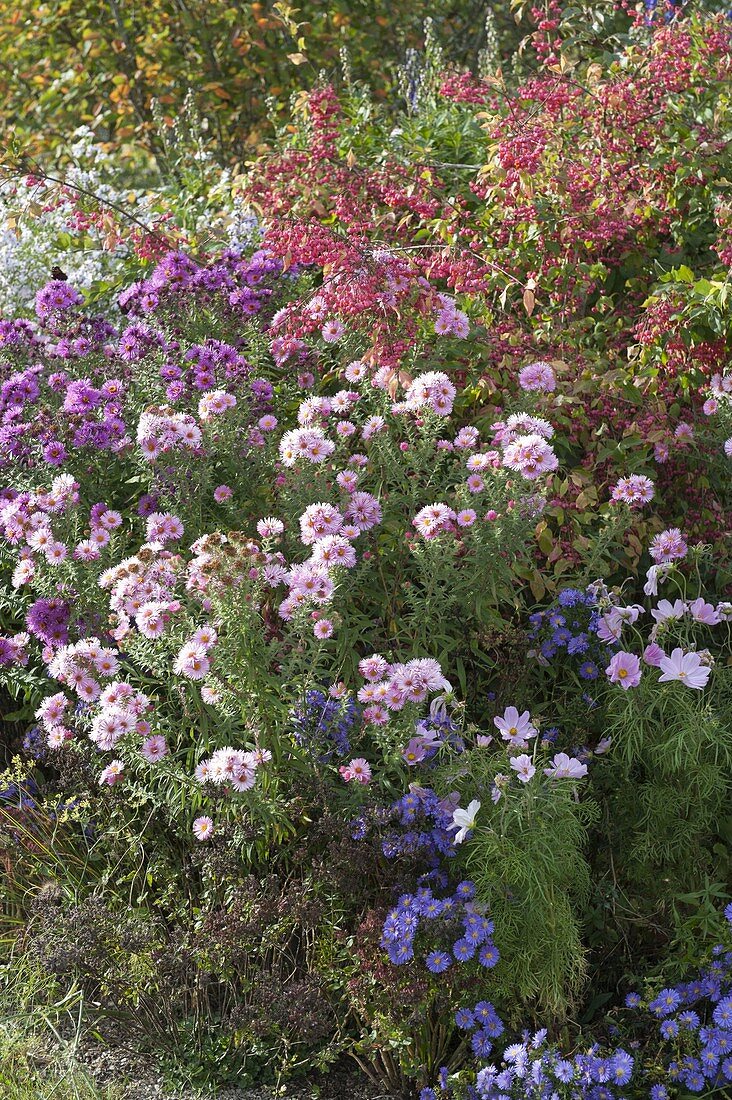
{"x": 464, "y": 820}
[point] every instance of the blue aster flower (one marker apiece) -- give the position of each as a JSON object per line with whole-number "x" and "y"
{"x": 464, "y": 1019}
{"x": 438, "y": 962}
{"x": 488, "y": 955}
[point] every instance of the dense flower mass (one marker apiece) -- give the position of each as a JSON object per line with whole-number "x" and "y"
{"x": 365, "y": 629}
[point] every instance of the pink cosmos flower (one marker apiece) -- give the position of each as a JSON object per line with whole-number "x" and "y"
{"x": 624, "y": 669}
{"x": 515, "y": 728}
{"x": 523, "y": 767}
{"x": 686, "y": 667}
{"x": 566, "y": 767}
{"x": 652, "y": 654}
{"x": 666, "y": 610}
{"x": 203, "y": 828}
{"x": 415, "y": 751}
{"x": 703, "y": 612}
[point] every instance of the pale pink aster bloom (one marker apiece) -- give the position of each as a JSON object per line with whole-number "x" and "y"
{"x": 467, "y": 437}
{"x": 56, "y": 553}
{"x": 323, "y": 629}
{"x": 57, "y": 737}
{"x": 466, "y": 518}
{"x": 154, "y": 748}
{"x": 374, "y": 667}
{"x": 355, "y": 371}
{"x": 359, "y": 770}
{"x": 475, "y": 483}
{"x": 332, "y": 331}
{"x": 684, "y": 431}
{"x": 88, "y": 689}
{"x": 112, "y": 774}
{"x": 443, "y": 324}
{"x": 267, "y": 423}
{"x": 337, "y": 691}
{"x": 685, "y": 667}
{"x": 192, "y": 662}
{"x": 710, "y": 406}
{"x": 566, "y": 767}
{"x": 728, "y": 447}
{"x": 202, "y": 772}
{"x": 515, "y": 728}
{"x": 703, "y": 612}
{"x": 523, "y": 767}
{"x": 52, "y": 709}
{"x": 666, "y": 611}
{"x": 537, "y": 377}
{"x": 210, "y": 694}
{"x": 660, "y": 452}
{"x": 205, "y": 636}
{"x": 243, "y": 774}
{"x": 203, "y": 828}
{"x": 669, "y": 545}
{"x": 531, "y": 456}
{"x": 222, "y": 493}
{"x": 373, "y": 425}
{"x": 518, "y": 424}
{"x": 635, "y": 490}
{"x": 653, "y": 654}
{"x": 99, "y": 536}
{"x": 270, "y": 527}
{"x": 376, "y": 715}
{"x": 347, "y": 480}
{"x": 624, "y": 669}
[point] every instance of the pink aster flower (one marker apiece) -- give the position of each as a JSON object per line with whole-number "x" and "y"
{"x": 154, "y": 749}
{"x": 686, "y": 667}
{"x": 203, "y": 828}
{"x": 728, "y": 447}
{"x": 538, "y": 377}
{"x": 466, "y": 518}
{"x": 358, "y": 770}
{"x": 222, "y": 493}
{"x": 323, "y": 629}
{"x": 668, "y": 546}
{"x": 113, "y": 773}
{"x": 269, "y": 527}
{"x": 523, "y": 767}
{"x": 635, "y": 490}
{"x": 332, "y": 331}
{"x": 624, "y": 669}
{"x": 566, "y": 767}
